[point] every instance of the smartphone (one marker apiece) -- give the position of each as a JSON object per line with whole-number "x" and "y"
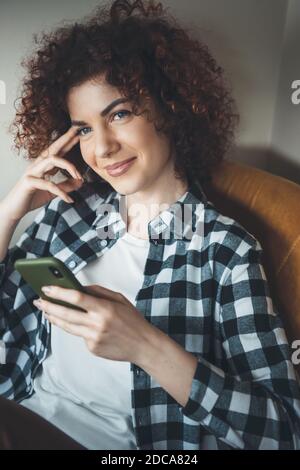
{"x": 48, "y": 271}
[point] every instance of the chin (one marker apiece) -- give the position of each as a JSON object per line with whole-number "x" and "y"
{"x": 126, "y": 187}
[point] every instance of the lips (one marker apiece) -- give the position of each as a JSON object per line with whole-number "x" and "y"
{"x": 117, "y": 165}
{"x": 121, "y": 169}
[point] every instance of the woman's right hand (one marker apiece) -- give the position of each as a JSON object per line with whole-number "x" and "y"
{"x": 32, "y": 191}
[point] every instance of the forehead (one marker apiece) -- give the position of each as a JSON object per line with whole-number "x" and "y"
{"x": 92, "y": 97}
{"x": 92, "y": 94}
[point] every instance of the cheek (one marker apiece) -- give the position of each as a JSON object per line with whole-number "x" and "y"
{"x": 159, "y": 149}
{"x": 86, "y": 152}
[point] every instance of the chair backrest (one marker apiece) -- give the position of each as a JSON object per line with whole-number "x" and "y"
{"x": 268, "y": 207}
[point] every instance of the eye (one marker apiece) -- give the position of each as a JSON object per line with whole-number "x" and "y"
{"x": 120, "y": 112}
{"x": 123, "y": 111}
{"x": 79, "y": 132}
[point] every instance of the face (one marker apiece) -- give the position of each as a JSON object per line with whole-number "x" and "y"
{"x": 117, "y": 135}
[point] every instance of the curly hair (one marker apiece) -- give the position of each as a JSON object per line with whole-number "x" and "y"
{"x": 143, "y": 52}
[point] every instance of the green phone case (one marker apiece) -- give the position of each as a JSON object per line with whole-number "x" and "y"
{"x": 39, "y": 272}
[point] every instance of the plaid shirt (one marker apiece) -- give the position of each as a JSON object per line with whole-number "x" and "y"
{"x": 206, "y": 290}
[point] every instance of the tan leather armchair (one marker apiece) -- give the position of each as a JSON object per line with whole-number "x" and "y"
{"x": 268, "y": 207}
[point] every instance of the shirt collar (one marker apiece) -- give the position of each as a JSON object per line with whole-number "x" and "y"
{"x": 177, "y": 221}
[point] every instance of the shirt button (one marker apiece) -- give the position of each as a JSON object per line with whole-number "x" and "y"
{"x": 103, "y": 242}
{"x": 72, "y": 264}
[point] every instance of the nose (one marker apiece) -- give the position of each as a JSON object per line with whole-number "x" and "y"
{"x": 105, "y": 144}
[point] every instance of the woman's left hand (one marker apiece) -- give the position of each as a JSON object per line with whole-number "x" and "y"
{"x": 112, "y": 327}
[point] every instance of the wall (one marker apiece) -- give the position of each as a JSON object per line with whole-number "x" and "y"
{"x": 284, "y": 157}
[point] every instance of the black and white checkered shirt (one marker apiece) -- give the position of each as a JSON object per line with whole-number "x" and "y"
{"x": 205, "y": 288}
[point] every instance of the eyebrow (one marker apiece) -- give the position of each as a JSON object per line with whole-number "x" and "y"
{"x": 105, "y": 111}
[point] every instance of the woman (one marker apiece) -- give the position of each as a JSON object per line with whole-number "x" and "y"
{"x": 180, "y": 347}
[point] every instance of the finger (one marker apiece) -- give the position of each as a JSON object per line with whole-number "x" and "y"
{"x": 59, "y": 143}
{"x": 65, "y": 149}
{"x": 72, "y": 328}
{"x": 76, "y": 297}
{"x": 70, "y": 185}
{"x": 65, "y": 314}
{"x": 68, "y": 146}
{"x": 50, "y": 187}
{"x": 48, "y": 164}
{"x": 103, "y": 293}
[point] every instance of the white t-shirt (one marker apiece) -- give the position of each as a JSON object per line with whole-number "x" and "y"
{"x": 86, "y": 396}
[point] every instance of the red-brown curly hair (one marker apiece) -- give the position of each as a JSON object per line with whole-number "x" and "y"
{"x": 143, "y": 52}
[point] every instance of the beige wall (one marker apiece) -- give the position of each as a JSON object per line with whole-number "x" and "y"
{"x": 246, "y": 37}
{"x": 284, "y": 158}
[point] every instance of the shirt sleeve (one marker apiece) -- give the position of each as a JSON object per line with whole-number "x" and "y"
{"x": 21, "y": 328}
{"x": 253, "y": 401}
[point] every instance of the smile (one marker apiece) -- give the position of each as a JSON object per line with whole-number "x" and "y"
{"x": 120, "y": 170}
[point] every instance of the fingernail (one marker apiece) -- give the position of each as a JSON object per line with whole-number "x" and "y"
{"x": 46, "y": 289}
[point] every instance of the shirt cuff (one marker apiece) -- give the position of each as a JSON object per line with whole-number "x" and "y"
{"x": 207, "y": 385}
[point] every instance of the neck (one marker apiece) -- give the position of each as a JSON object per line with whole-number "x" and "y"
{"x": 145, "y": 205}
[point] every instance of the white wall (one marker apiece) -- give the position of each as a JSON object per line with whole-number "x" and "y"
{"x": 246, "y": 36}
{"x": 284, "y": 159}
